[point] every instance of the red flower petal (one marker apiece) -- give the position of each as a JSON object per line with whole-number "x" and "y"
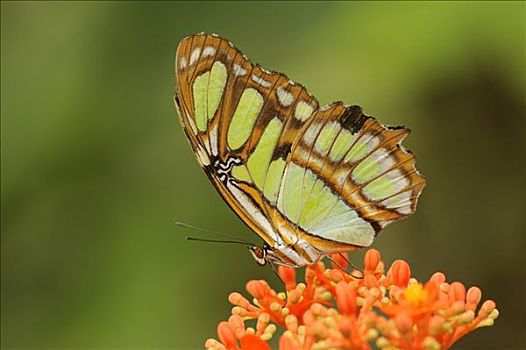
{"x": 253, "y": 342}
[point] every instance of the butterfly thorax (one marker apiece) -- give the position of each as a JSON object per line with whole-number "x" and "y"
{"x": 284, "y": 255}
{"x": 289, "y": 256}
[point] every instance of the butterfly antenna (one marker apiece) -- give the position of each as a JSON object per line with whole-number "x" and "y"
{"x": 216, "y": 241}
{"x": 229, "y": 238}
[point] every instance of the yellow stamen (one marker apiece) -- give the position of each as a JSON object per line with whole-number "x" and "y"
{"x": 415, "y": 294}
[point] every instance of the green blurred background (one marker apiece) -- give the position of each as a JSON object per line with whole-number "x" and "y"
{"x": 95, "y": 167}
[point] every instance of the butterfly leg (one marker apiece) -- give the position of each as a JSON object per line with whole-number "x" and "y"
{"x": 350, "y": 264}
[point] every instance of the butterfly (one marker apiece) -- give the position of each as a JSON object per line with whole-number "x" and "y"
{"x": 309, "y": 180}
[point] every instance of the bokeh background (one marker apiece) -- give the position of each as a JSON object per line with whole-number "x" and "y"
{"x": 96, "y": 170}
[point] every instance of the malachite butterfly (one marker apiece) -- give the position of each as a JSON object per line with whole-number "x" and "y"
{"x": 309, "y": 180}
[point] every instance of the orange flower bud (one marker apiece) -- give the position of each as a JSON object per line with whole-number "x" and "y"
{"x": 436, "y": 325}
{"x": 287, "y": 343}
{"x": 369, "y": 281}
{"x": 438, "y": 278}
{"x": 236, "y": 323}
{"x": 346, "y": 298}
{"x": 258, "y": 289}
{"x": 239, "y": 300}
{"x": 292, "y": 323}
{"x": 404, "y": 323}
{"x": 401, "y": 273}
{"x": 457, "y": 307}
{"x": 473, "y": 298}
{"x": 457, "y": 291}
{"x": 371, "y": 260}
{"x": 487, "y": 308}
{"x": 288, "y": 276}
{"x": 227, "y": 335}
{"x": 262, "y": 323}
{"x": 335, "y": 275}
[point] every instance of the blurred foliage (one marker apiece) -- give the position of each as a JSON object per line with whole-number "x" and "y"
{"x": 95, "y": 167}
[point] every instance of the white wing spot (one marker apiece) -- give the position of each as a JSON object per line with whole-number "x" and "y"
{"x": 362, "y": 148}
{"x": 192, "y": 124}
{"x": 182, "y": 63}
{"x": 315, "y": 160}
{"x": 394, "y": 181}
{"x": 213, "y": 139}
{"x": 303, "y": 110}
{"x": 239, "y": 71}
{"x": 310, "y": 134}
{"x": 400, "y": 202}
{"x": 209, "y": 51}
{"x": 203, "y": 157}
{"x": 195, "y": 55}
{"x": 284, "y": 97}
{"x": 302, "y": 153}
{"x": 261, "y": 81}
{"x": 378, "y": 162}
{"x": 405, "y": 210}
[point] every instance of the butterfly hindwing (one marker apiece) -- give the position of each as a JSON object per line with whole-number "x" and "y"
{"x": 294, "y": 172}
{"x": 348, "y": 177}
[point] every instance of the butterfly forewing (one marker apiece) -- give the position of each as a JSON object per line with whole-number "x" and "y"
{"x": 225, "y": 140}
{"x": 315, "y": 180}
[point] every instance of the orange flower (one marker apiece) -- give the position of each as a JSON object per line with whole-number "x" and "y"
{"x": 234, "y": 336}
{"x": 299, "y": 296}
{"x": 335, "y": 309}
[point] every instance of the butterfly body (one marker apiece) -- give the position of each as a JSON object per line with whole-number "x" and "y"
{"x": 309, "y": 181}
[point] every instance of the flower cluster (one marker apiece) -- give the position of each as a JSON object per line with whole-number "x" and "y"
{"x": 335, "y": 309}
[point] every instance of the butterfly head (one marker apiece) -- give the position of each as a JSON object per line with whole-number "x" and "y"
{"x": 260, "y": 254}
{"x": 266, "y": 254}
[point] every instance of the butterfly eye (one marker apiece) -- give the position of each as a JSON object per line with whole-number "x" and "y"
{"x": 259, "y": 255}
